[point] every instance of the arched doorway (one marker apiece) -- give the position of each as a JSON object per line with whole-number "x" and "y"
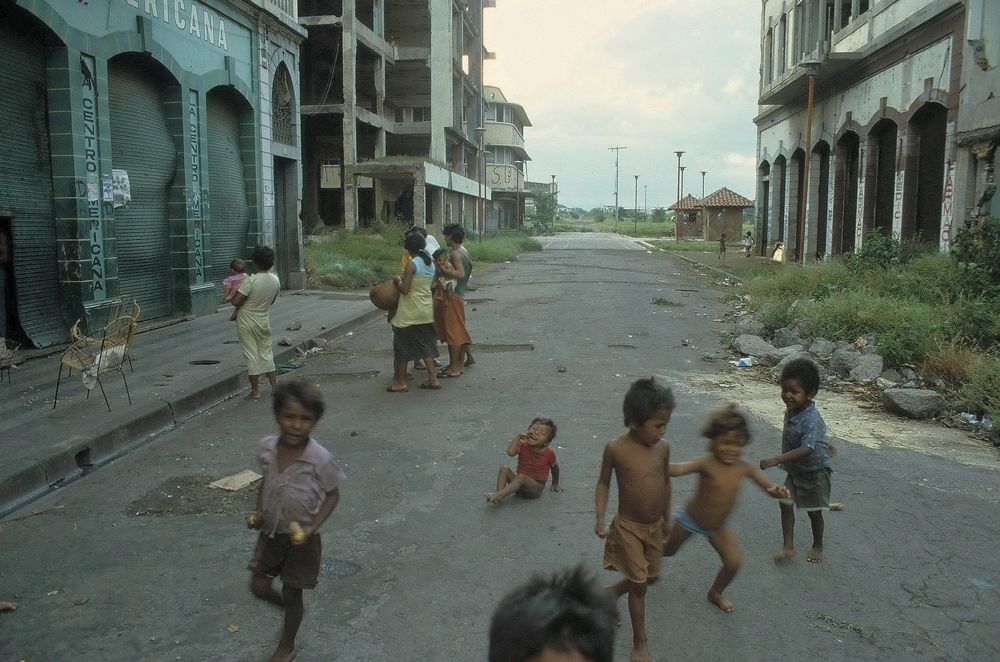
{"x": 881, "y": 181}
{"x": 821, "y": 161}
{"x": 778, "y": 189}
{"x": 139, "y": 92}
{"x": 229, "y": 208}
{"x": 30, "y": 312}
{"x": 763, "y": 204}
{"x": 925, "y": 168}
{"x": 797, "y": 203}
{"x": 845, "y": 193}
{"x": 284, "y": 111}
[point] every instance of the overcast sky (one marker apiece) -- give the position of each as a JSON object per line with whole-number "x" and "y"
{"x": 654, "y": 76}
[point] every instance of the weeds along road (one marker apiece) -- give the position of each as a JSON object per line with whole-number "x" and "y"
{"x": 140, "y": 561}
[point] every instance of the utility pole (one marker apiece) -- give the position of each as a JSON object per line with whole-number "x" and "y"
{"x": 703, "y": 173}
{"x": 635, "y": 225}
{"x": 683, "y": 168}
{"x": 616, "y": 150}
{"x": 645, "y": 197}
{"x": 677, "y": 211}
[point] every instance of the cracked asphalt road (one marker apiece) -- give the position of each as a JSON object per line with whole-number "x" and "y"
{"x": 109, "y": 568}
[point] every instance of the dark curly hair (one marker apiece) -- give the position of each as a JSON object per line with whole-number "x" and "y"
{"x": 805, "y": 371}
{"x": 306, "y": 394}
{"x": 727, "y": 418}
{"x": 263, "y": 257}
{"x": 644, "y": 397}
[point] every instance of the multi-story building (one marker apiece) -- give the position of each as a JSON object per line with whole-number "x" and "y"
{"x": 145, "y": 146}
{"x": 887, "y": 110}
{"x": 392, "y": 100}
{"x": 506, "y": 160}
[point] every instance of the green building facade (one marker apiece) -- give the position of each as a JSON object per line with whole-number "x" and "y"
{"x": 144, "y": 144}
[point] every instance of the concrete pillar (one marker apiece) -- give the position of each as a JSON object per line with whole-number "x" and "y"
{"x": 419, "y": 199}
{"x": 855, "y": 9}
{"x": 793, "y": 184}
{"x": 828, "y": 250}
{"x": 838, "y": 15}
{"x": 349, "y": 49}
{"x": 949, "y": 218}
{"x": 776, "y": 206}
{"x": 812, "y": 211}
{"x": 859, "y": 202}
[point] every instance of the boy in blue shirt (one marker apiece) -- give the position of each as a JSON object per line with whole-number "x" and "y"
{"x": 805, "y": 455}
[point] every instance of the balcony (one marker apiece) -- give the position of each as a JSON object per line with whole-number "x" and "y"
{"x": 498, "y": 133}
{"x": 794, "y": 83}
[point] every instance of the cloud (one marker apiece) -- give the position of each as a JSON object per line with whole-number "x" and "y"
{"x": 652, "y": 75}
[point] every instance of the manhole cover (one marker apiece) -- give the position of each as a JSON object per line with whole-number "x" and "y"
{"x": 341, "y": 377}
{"x": 496, "y": 349}
{"x": 204, "y": 362}
{"x": 338, "y": 568}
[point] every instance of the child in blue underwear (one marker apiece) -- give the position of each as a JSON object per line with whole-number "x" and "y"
{"x": 722, "y": 472}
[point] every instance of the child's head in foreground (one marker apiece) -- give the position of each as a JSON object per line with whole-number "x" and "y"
{"x": 799, "y": 383}
{"x": 237, "y": 266}
{"x": 542, "y": 431}
{"x": 645, "y": 397}
{"x": 727, "y": 430}
{"x": 301, "y": 393}
{"x": 562, "y": 617}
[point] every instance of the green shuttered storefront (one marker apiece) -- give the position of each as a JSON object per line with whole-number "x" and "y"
{"x": 26, "y": 187}
{"x": 229, "y": 215}
{"x": 141, "y": 145}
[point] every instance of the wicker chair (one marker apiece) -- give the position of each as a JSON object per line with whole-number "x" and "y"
{"x": 8, "y": 356}
{"x": 98, "y": 356}
{"x": 117, "y": 309}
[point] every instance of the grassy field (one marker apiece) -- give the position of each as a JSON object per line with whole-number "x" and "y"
{"x": 360, "y": 259}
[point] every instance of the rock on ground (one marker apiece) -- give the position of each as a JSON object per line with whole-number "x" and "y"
{"x": 752, "y": 345}
{"x": 822, "y": 348}
{"x": 785, "y": 337}
{"x": 774, "y": 357}
{"x": 913, "y": 402}
{"x": 844, "y": 360}
{"x": 869, "y": 368}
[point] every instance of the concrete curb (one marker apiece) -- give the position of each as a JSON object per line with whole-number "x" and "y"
{"x": 77, "y": 456}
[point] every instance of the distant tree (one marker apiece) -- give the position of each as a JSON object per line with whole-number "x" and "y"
{"x": 545, "y": 211}
{"x": 659, "y": 215}
{"x": 597, "y": 214}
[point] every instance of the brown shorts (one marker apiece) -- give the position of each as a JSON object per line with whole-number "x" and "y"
{"x": 634, "y": 549}
{"x": 297, "y": 565}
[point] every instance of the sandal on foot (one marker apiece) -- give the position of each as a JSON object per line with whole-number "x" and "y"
{"x": 392, "y": 388}
{"x": 447, "y": 375}
{"x": 430, "y": 386}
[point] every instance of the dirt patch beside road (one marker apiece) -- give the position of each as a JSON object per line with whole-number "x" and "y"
{"x": 845, "y": 419}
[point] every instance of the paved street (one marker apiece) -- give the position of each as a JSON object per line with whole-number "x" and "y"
{"x": 139, "y": 561}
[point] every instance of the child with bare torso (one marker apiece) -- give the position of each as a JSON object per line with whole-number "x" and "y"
{"x": 534, "y": 460}
{"x": 634, "y": 541}
{"x": 721, "y": 475}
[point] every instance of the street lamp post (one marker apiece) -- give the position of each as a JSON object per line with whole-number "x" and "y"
{"x": 481, "y": 166}
{"x": 677, "y": 210}
{"x": 703, "y": 173}
{"x": 616, "y": 150}
{"x": 635, "y": 219}
{"x": 683, "y": 168}
{"x": 517, "y": 200}
{"x": 645, "y": 197}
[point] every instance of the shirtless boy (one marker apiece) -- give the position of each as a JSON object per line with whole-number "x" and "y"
{"x": 634, "y": 541}
{"x": 534, "y": 460}
{"x": 721, "y": 476}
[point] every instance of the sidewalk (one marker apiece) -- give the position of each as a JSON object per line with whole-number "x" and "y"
{"x": 44, "y": 449}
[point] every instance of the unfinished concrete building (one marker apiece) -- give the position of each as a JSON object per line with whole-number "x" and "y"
{"x": 391, "y": 103}
{"x": 875, "y": 115}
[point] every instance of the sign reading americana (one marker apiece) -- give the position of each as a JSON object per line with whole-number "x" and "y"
{"x": 197, "y": 21}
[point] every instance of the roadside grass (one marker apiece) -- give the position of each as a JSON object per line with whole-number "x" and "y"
{"x": 918, "y": 313}
{"x": 359, "y": 259}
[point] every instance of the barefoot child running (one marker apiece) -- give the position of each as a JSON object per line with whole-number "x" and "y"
{"x": 534, "y": 459}
{"x": 805, "y": 455}
{"x": 634, "y": 541}
{"x": 721, "y": 476}
{"x": 299, "y": 491}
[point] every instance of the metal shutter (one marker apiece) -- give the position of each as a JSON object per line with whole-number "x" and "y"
{"x": 930, "y": 173}
{"x": 26, "y": 187}
{"x": 229, "y": 213}
{"x": 141, "y": 145}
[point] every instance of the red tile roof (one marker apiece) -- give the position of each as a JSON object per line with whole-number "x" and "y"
{"x": 687, "y": 202}
{"x": 725, "y": 198}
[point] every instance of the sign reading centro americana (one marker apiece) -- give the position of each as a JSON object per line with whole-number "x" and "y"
{"x": 188, "y": 16}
